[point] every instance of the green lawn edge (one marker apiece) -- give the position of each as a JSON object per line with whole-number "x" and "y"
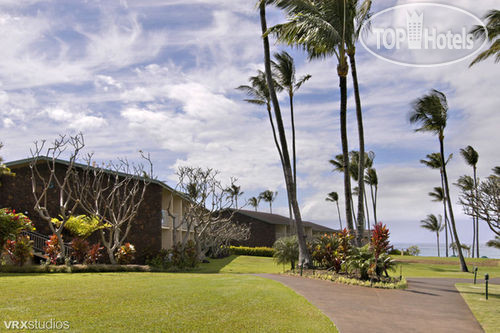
{"x": 487, "y": 312}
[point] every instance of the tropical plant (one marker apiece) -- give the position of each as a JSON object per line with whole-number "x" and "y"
{"x": 495, "y": 243}
{"x": 80, "y": 248}
{"x": 284, "y": 72}
{"x": 321, "y": 29}
{"x": 434, "y": 162}
{"x": 338, "y": 166}
{"x": 430, "y": 112}
{"x": 492, "y": 32}
{"x": 325, "y": 251}
{"x": 12, "y": 224}
{"x": 463, "y": 246}
{"x": 81, "y": 226}
{"x": 466, "y": 185}
{"x": 413, "y": 250}
{"x": 355, "y": 169}
{"x": 286, "y": 250}
{"x": 53, "y": 249}
{"x": 254, "y": 202}
{"x": 371, "y": 179}
{"x": 269, "y": 196}
{"x": 19, "y": 250}
{"x": 4, "y": 171}
{"x": 125, "y": 254}
{"x": 94, "y": 254}
{"x": 471, "y": 157}
{"x": 434, "y": 224}
{"x": 334, "y": 197}
{"x": 234, "y": 192}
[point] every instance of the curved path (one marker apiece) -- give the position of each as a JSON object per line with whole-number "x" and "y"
{"x": 428, "y": 305}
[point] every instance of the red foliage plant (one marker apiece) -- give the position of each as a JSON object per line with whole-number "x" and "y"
{"x": 380, "y": 240}
{"x": 80, "y": 248}
{"x": 94, "y": 254}
{"x": 52, "y": 249}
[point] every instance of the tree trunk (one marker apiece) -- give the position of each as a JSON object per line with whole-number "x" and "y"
{"x": 287, "y": 170}
{"x": 367, "y": 214}
{"x": 294, "y": 154}
{"x": 361, "y": 136}
{"x": 463, "y": 265}
{"x": 477, "y": 218}
{"x": 340, "y": 219}
{"x": 445, "y": 214}
{"x": 437, "y": 234}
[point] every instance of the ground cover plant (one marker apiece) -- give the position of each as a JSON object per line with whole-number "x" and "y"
{"x": 160, "y": 301}
{"x": 487, "y": 312}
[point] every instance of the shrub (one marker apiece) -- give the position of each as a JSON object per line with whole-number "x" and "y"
{"x": 252, "y": 251}
{"x": 380, "y": 247}
{"x": 184, "y": 256}
{"x": 361, "y": 261}
{"x": 52, "y": 249}
{"x": 286, "y": 250}
{"x": 80, "y": 249}
{"x": 81, "y": 226}
{"x": 20, "y": 250}
{"x": 325, "y": 252}
{"x": 413, "y": 250}
{"x": 94, "y": 254}
{"x": 12, "y": 224}
{"x": 125, "y": 254}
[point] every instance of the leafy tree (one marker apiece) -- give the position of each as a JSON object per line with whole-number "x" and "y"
{"x": 492, "y": 31}
{"x": 269, "y": 196}
{"x": 234, "y": 192}
{"x": 430, "y": 112}
{"x": 82, "y": 226}
{"x": 471, "y": 157}
{"x": 286, "y": 250}
{"x": 4, "y": 171}
{"x": 495, "y": 243}
{"x": 434, "y": 224}
{"x": 254, "y": 202}
{"x": 334, "y": 197}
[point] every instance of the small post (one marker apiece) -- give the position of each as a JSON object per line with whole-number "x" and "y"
{"x": 486, "y": 278}
{"x": 475, "y": 274}
{"x": 400, "y": 271}
{"x": 301, "y": 267}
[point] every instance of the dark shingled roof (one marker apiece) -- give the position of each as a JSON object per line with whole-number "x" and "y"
{"x": 279, "y": 219}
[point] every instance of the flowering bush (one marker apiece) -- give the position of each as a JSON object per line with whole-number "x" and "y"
{"x": 125, "y": 254}
{"x": 11, "y": 225}
{"x": 331, "y": 250}
{"x": 53, "y": 249}
{"x": 94, "y": 254}
{"x": 80, "y": 249}
{"x": 20, "y": 250}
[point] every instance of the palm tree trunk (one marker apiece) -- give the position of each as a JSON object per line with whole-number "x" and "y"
{"x": 304, "y": 257}
{"x": 293, "y": 139}
{"x": 450, "y": 208}
{"x": 353, "y": 212}
{"x": 367, "y": 214}
{"x": 270, "y": 207}
{"x": 361, "y": 136}
{"x": 445, "y": 215}
{"x": 375, "y": 205}
{"x": 477, "y": 218}
{"x": 340, "y": 219}
{"x": 437, "y": 234}
{"x": 473, "y": 235}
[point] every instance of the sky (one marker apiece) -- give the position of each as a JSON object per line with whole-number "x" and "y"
{"x": 160, "y": 76}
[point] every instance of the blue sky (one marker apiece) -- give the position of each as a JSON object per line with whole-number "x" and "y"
{"x": 161, "y": 75}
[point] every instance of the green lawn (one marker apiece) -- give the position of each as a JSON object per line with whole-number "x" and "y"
{"x": 445, "y": 267}
{"x": 487, "y": 312}
{"x": 159, "y": 302}
{"x": 241, "y": 265}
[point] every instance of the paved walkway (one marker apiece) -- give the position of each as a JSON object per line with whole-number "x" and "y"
{"x": 428, "y": 305}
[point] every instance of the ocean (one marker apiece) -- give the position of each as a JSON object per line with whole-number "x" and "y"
{"x": 430, "y": 250}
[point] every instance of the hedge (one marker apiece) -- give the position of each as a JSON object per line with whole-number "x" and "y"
{"x": 252, "y": 251}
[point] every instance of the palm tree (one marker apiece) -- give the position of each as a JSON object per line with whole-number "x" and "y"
{"x": 304, "y": 256}
{"x": 338, "y": 166}
{"x": 493, "y": 32}
{"x": 355, "y": 172}
{"x": 254, "y": 202}
{"x": 269, "y": 196}
{"x": 434, "y": 224}
{"x": 431, "y": 113}
{"x": 467, "y": 185}
{"x": 320, "y": 28}
{"x": 434, "y": 162}
{"x": 284, "y": 70}
{"x": 471, "y": 157}
{"x": 496, "y": 171}
{"x": 334, "y": 197}
{"x": 234, "y": 192}
{"x": 438, "y": 196}
{"x": 371, "y": 179}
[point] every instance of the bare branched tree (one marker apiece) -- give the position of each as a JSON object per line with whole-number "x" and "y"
{"x": 486, "y": 206}
{"x": 113, "y": 193}
{"x": 50, "y": 178}
{"x": 203, "y": 215}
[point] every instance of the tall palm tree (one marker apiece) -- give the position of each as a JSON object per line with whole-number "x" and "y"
{"x": 254, "y": 202}
{"x": 493, "y": 32}
{"x": 320, "y": 28}
{"x": 371, "y": 179}
{"x": 234, "y": 192}
{"x": 338, "y": 166}
{"x": 304, "y": 256}
{"x": 269, "y": 196}
{"x": 467, "y": 185}
{"x": 334, "y": 197}
{"x": 354, "y": 162}
{"x": 434, "y": 162}
{"x": 430, "y": 112}
{"x": 471, "y": 157}
{"x": 438, "y": 196}
{"x": 434, "y": 224}
{"x": 284, "y": 70}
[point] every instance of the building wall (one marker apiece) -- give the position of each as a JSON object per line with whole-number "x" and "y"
{"x": 177, "y": 206}
{"x": 145, "y": 234}
{"x": 261, "y": 233}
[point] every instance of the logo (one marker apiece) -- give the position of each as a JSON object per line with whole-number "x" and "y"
{"x": 422, "y": 35}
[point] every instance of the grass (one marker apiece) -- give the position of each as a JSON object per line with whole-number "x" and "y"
{"x": 487, "y": 312}
{"x": 159, "y": 302}
{"x": 437, "y": 267}
{"x": 241, "y": 265}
